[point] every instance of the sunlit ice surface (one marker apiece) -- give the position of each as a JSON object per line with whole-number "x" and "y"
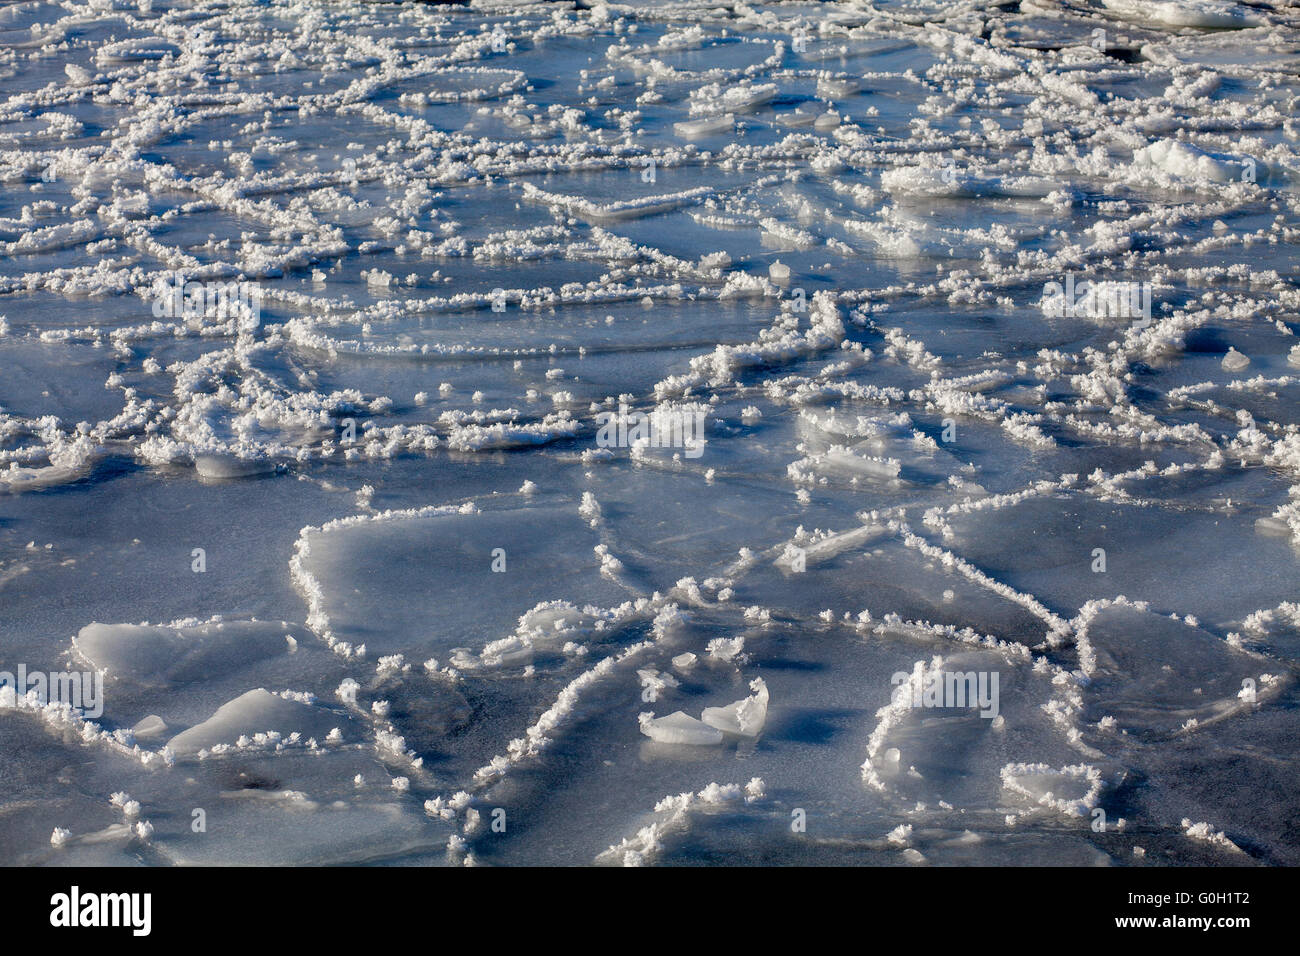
{"x": 649, "y": 433}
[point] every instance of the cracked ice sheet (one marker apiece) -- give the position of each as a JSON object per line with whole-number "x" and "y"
{"x": 439, "y": 591}
{"x": 1148, "y": 557}
{"x": 380, "y": 170}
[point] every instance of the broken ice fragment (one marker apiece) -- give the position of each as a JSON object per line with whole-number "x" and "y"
{"x": 1234, "y": 361}
{"x": 837, "y": 87}
{"x": 679, "y": 728}
{"x": 249, "y": 718}
{"x": 689, "y": 129}
{"x": 744, "y": 717}
{"x": 149, "y": 728}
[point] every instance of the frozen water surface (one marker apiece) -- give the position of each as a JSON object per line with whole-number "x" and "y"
{"x": 650, "y": 432}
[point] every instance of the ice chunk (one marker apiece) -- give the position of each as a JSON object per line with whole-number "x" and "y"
{"x": 254, "y": 716}
{"x": 707, "y": 126}
{"x": 679, "y": 728}
{"x": 1234, "y": 361}
{"x": 835, "y": 87}
{"x": 1185, "y": 13}
{"x": 150, "y": 728}
{"x": 842, "y": 462}
{"x": 743, "y": 97}
{"x": 171, "y": 655}
{"x": 800, "y": 117}
{"x": 744, "y": 717}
